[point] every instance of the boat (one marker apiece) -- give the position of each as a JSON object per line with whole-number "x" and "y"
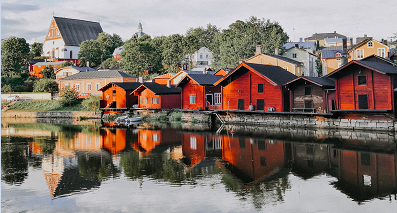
{"x": 134, "y": 119}
{"x": 121, "y": 119}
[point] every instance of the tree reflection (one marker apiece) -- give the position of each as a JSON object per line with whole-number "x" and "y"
{"x": 97, "y": 166}
{"x": 14, "y": 163}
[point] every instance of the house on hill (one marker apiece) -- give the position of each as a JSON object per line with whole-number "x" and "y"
{"x": 291, "y": 65}
{"x": 366, "y": 86}
{"x": 117, "y": 95}
{"x": 303, "y": 52}
{"x": 258, "y": 85}
{"x": 156, "y": 96}
{"x": 91, "y": 82}
{"x": 118, "y": 50}
{"x": 366, "y": 48}
{"x": 64, "y": 36}
{"x": 39, "y": 66}
{"x": 198, "y": 92}
{"x": 70, "y": 70}
{"x": 320, "y": 37}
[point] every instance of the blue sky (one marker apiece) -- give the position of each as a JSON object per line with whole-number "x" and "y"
{"x": 353, "y": 18}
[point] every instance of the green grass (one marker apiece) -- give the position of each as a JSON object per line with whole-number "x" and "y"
{"x": 40, "y": 106}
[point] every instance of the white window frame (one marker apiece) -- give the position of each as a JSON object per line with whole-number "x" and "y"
{"x": 89, "y": 86}
{"x": 77, "y": 87}
{"x": 98, "y": 86}
{"x": 294, "y": 55}
{"x": 383, "y": 51}
{"x": 339, "y": 64}
{"x": 66, "y": 86}
{"x": 286, "y": 68}
{"x": 193, "y": 99}
{"x": 362, "y": 54}
{"x": 372, "y": 44}
{"x": 193, "y": 143}
{"x": 217, "y": 98}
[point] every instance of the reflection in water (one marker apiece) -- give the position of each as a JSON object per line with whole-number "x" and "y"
{"x": 75, "y": 159}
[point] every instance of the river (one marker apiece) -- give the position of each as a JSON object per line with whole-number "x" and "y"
{"x": 69, "y": 166}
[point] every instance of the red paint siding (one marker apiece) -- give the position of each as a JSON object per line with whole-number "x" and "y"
{"x": 191, "y": 88}
{"x": 170, "y": 101}
{"x": 246, "y": 87}
{"x": 147, "y": 97}
{"x": 122, "y": 98}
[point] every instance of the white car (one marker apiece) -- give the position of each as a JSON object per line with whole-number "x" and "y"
{"x": 13, "y": 98}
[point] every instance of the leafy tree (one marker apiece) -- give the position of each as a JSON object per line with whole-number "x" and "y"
{"x": 200, "y": 37}
{"x": 108, "y": 43}
{"x": 109, "y": 63}
{"x": 35, "y": 50}
{"x": 48, "y": 72}
{"x": 240, "y": 39}
{"x": 69, "y": 96}
{"x": 173, "y": 53}
{"x": 45, "y": 85}
{"x": 90, "y": 51}
{"x": 67, "y": 64}
{"x": 14, "y": 56}
{"x": 138, "y": 55}
{"x": 319, "y": 65}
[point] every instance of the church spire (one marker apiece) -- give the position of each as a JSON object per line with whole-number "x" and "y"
{"x": 140, "y": 27}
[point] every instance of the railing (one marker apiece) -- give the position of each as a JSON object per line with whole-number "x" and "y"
{"x": 215, "y": 107}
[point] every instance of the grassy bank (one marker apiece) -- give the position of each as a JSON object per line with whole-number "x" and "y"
{"x": 40, "y": 106}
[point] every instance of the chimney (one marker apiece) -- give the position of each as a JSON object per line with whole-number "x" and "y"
{"x": 140, "y": 79}
{"x": 240, "y": 61}
{"x": 317, "y": 44}
{"x": 88, "y": 64}
{"x": 300, "y": 40}
{"x": 169, "y": 84}
{"x": 344, "y": 45}
{"x": 276, "y": 51}
{"x": 205, "y": 70}
{"x": 351, "y": 42}
{"x": 258, "y": 49}
{"x": 365, "y": 36}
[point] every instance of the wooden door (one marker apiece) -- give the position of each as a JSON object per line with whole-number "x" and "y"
{"x": 362, "y": 101}
{"x": 240, "y": 104}
{"x": 260, "y": 104}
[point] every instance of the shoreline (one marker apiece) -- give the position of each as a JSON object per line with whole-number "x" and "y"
{"x": 50, "y": 114}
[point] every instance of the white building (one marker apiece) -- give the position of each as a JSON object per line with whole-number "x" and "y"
{"x": 201, "y": 59}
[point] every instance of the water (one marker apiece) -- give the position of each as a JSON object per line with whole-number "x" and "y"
{"x": 189, "y": 168}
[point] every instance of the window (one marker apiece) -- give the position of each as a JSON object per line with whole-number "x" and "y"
{"x": 260, "y": 88}
{"x": 192, "y": 99}
{"x": 155, "y": 100}
{"x": 381, "y": 52}
{"x": 66, "y": 86}
{"x": 370, "y": 44}
{"x": 308, "y": 90}
{"x": 98, "y": 86}
{"x": 218, "y": 98}
{"x": 206, "y": 56}
{"x": 141, "y": 100}
{"x": 155, "y": 137}
{"x": 360, "y": 54}
{"x": 338, "y": 55}
{"x": 294, "y": 55}
{"x": 77, "y": 87}
{"x": 71, "y": 54}
{"x": 362, "y": 80}
{"x": 89, "y": 86}
{"x": 201, "y": 56}
{"x": 146, "y": 100}
{"x": 286, "y": 68}
{"x": 114, "y": 93}
{"x": 193, "y": 143}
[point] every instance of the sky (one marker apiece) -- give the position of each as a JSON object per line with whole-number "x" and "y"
{"x": 299, "y": 19}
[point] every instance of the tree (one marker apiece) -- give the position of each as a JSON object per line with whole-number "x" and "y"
{"x": 35, "y": 50}
{"x": 69, "y": 96}
{"x": 90, "y": 51}
{"x": 138, "y": 55}
{"x": 45, "y": 85}
{"x": 240, "y": 39}
{"x": 319, "y": 65}
{"x": 67, "y": 64}
{"x": 200, "y": 37}
{"x": 173, "y": 53}
{"x": 109, "y": 63}
{"x": 14, "y": 56}
{"x": 48, "y": 72}
{"x": 108, "y": 43}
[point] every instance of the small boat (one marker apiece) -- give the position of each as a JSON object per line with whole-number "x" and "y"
{"x": 134, "y": 119}
{"x": 122, "y": 118}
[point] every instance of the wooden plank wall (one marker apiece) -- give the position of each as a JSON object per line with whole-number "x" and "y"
{"x": 192, "y": 89}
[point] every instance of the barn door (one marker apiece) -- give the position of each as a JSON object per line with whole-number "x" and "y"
{"x": 240, "y": 104}
{"x": 362, "y": 102}
{"x": 260, "y": 104}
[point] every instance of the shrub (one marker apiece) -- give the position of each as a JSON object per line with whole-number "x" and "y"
{"x": 48, "y": 72}
{"x": 176, "y": 116}
{"x": 91, "y": 102}
{"x": 68, "y": 97}
{"x": 45, "y": 85}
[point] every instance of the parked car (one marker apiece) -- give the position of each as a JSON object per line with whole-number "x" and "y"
{"x": 84, "y": 95}
{"x": 12, "y": 98}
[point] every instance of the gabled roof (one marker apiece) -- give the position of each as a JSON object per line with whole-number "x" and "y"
{"x": 330, "y": 52}
{"x": 292, "y": 61}
{"x": 158, "y": 89}
{"x": 81, "y": 69}
{"x": 201, "y": 79}
{"x": 376, "y": 58}
{"x": 322, "y": 82}
{"x": 304, "y": 45}
{"x": 381, "y": 67}
{"x": 124, "y": 85}
{"x": 364, "y": 42}
{"x": 274, "y": 74}
{"x": 74, "y": 31}
{"x": 99, "y": 74}
{"x": 320, "y": 36}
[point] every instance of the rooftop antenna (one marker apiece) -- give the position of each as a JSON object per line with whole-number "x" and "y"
{"x": 53, "y": 13}
{"x": 293, "y": 29}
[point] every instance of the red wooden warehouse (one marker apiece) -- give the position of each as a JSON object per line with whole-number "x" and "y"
{"x": 157, "y": 96}
{"x": 311, "y": 94}
{"x": 199, "y": 92}
{"x": 366, "y": 86}
{"x": 117, "y": 95}
{"x": 258, "y": 85}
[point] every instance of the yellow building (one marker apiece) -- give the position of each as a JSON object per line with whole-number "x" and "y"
{"x": 366, "y": 48}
